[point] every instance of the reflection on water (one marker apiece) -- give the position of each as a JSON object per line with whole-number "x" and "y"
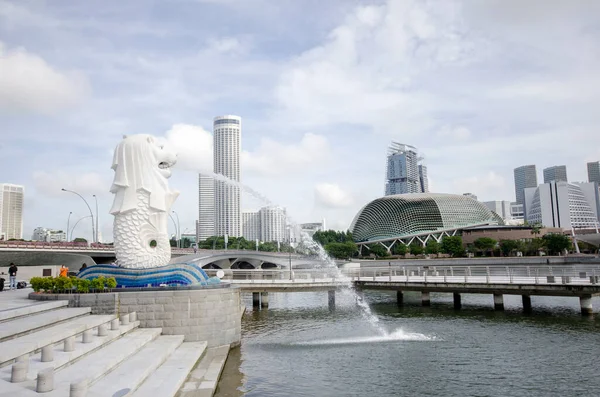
{"x": 298, "y": 347}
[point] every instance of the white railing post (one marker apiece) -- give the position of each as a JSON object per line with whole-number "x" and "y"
{"x": 536, "y": 275}
{"x": 487, "y": 274}
{"x": 467, "y": 270}
{"x": 528, "y": 272}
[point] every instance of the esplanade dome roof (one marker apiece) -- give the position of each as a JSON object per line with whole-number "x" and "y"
{"x": 404, "y": 215}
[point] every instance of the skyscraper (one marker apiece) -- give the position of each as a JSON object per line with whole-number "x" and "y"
{"x": 594, "y": 172}
{"x": 273, "y": 224}
{"x": 525, "y": 176}
{"x": 557, "y": 173}
{"x": 206, "y": 207}
{"x": 11, "y": 211}
{"x": 227, "y": 135}
{"x": 404, "y": 174}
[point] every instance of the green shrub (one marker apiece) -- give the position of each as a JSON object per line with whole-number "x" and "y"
{"x": 111, "y": 283}
{"x": 97, "y": 283}
{"x": 48, "y": 284}
{"x": 36, "y": 283}
{"x": 83, "y": 285}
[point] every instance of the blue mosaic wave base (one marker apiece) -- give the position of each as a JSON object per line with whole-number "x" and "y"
{"x": 171, "y": 275}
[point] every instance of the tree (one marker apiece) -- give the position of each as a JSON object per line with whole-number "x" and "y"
{"x": 508, "y": 246}
{"x": 557, "y": 243}
{"x": 416, "y": 249}
{"x": 376, "y": 249}
{"x": 432, "y": 247}
{"x": 267, "y": 247}
{"x": 485, "y": 244}
{"x": 399, "y": 249}
{"x": 536, "y": 229}
{"x": 341, "y": 250}
{"x": 534, "y": 246}
{"x": 79, "y": 240}
{"x": 452, "y": 245}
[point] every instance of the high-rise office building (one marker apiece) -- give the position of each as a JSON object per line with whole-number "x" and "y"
{"x": 525, "y": 177}
{"x": 227, "y": 136}
{"x": 594, "y": 171}
{"x": 404, "y": 174}
{"x": 502, "y": 208}
{"x": 423, "y": 178}
{"x": 470, "y": 195}
{"x": 11, "y": 211}
{"x": 273, "y": 224}
{"x": 251, "y": 225}
{"x": 557, "y": 173}
{"x": 206, "y": 207}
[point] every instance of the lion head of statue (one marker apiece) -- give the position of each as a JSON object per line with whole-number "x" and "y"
{"x": 140, "y": 162}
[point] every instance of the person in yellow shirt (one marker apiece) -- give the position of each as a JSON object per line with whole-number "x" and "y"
{"x": 64, "y": 271}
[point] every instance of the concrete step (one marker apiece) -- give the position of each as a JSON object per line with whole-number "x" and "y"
{"x": 101, "y": 362}
{"x": 203, "y": 380}
{"x": 25, "y": 325}
{"x": 130, "y": 374}
{"x": 63, "y": 359}
{"x": 11, "y": 349}
{"x": 14, "y": 313}
{"x": 170, "y": 376}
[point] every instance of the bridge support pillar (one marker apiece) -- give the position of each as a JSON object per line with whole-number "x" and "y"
{"x": 457, "y": 301}
{"x": 425, "y": 300}
{"x": 498, "y": 302}
{"x": 331, "y": 299}
{"x": 255, "y": 299}
{"x": 585, "y": 301}
{"x": 264, "y": 299}
{"x": 400, "y": 298}
{"x": 526, "y": 303}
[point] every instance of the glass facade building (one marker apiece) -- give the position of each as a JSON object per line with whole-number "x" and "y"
{"x": 404, "y": 173}
{"x": 557, "y": 173}
{"x": 525, "y": 177}
{"x": 593, "y": 170}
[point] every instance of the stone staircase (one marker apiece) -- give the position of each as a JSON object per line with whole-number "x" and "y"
{"x": 58, "y": 351}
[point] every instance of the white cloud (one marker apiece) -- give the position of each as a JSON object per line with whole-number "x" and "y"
{"x": 490, "y": 183}
{"x": 459, "y": 133}
{"x": 193, "y": 145}
{"x": 276, "y": 158}
{"x": 28, "y": 83}
{"x": 225, "y": 45}
{"x": 330, "y": 195}
{"x": 49, "y": 183}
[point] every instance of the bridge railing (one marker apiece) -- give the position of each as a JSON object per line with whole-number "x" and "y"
{"x": 478, "y": 274}
{"x": 422, "y": 274}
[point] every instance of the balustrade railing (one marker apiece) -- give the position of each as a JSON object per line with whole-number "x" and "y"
{"x": 420, "y": 274}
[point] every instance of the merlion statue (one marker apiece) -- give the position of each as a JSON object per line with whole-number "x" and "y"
{"x": 142, "y": 202}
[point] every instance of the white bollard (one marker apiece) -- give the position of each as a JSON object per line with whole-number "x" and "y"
{"x": 45, "y": 380}
{"x": 114, "y": 324}
{"x": 47, "y": 353}
{"x": 87, "y": 336}
{"x": 69, "y": 344}
{"x": 124, "y": 319}
{"x": 102, "y": 330}
{"x": 19, "y": 371}
{"x": 132, "y": 317}
{"x": 78, "y": 389}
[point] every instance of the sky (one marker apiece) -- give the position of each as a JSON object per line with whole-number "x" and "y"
{"x": 323, "y": 87}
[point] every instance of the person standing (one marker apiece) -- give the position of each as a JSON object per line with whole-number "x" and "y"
{"x": 12, "y": 275}
{"x": 64, "y": 271}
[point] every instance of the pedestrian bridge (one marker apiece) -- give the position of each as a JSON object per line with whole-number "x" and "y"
{"x": 248, "y": 260}
{"x": 581, "y": 281}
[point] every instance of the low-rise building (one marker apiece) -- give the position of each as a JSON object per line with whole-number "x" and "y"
{"x": 499, "y": 233}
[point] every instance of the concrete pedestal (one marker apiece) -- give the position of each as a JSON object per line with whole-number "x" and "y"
{"x": 526, "y": 303}
{"x": 19, "y": 372}
{"x": 264, "y": 299}
{"x": 102, "y": 330}
{"x": 399, "y": 298}
{"x": 87, "y": 336}
{"x": 457, "y": 301}
{"x": 45, "y": 380}
{"x": 47, "y": 353}
{"x": 331, "y": 299}
{"x": 255, "y": 299}
{"x": 69, "y": 344}
{"x": 585, "y": 301}
{"x": 114, "y": 324}
{"x": 78, "y": 389}
{"x": 124, "y": 319}
{"x": 498, "y": 302}
{"x": 425, "y": 300}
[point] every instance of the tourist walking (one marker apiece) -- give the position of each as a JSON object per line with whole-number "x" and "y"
{"x": 12, "y": 276}
{"x": 82, "y": 268}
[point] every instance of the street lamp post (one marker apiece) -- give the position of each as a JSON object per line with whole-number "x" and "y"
{"x": 76, "y": 223}
{"x": 96, "y": 199}
{"x": 178, "y": 230}
{"x": 68, "y": 220}
{"x": 89, "y": 208}
{"x": 174, "y": 225}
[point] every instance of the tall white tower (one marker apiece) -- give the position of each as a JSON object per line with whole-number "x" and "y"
{"x": 227, "y": 135}
{"x": 11, "y": 211}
